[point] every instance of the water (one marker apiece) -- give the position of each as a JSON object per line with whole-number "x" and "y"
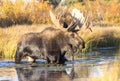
{"x": 78, "y": 70}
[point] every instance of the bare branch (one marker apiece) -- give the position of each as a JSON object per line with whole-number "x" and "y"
{"x": 87, "y": 21}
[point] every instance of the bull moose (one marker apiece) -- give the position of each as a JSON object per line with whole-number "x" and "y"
{"x": 50, "y": 44}
{"x": 53, "y": 43}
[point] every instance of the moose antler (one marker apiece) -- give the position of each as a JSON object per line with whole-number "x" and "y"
{"x": 57, "y": 14}
{"x": 77, "y": 18}
{"x": 54, "y": 19}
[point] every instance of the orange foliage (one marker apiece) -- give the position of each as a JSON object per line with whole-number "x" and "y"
{"x": 38, "y": 12}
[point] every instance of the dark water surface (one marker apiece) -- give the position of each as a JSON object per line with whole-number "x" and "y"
{"x": 79, "y": 70}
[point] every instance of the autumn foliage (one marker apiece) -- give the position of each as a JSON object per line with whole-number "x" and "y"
{"x": 24, "y": 13}
{"x": 34, "y": 12}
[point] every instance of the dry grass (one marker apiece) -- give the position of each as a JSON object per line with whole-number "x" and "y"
{"x": 100, "y": 37}
{"x": 9, "y": 37}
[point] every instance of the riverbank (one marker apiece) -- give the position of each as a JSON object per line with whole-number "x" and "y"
{"x": 99, "y": 37}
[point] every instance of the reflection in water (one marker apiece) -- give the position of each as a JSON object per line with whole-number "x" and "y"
{"x": 82, "y": 70}
{"x": 70, "y": 72}
{"x": 42, "y": 74}
{"x": 97, "y": 72}
{"x": 76, "y": 72}
{"x": 8, "y": 74}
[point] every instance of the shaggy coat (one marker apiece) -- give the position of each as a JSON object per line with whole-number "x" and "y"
{"x": 50, "y": 44}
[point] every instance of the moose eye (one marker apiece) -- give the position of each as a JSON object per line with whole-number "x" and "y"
{"x": 65, "y": 25}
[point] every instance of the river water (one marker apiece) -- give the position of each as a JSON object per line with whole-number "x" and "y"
{"x": 92, "y": 65}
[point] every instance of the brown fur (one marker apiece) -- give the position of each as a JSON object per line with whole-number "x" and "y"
{"x": 50, "y": 44}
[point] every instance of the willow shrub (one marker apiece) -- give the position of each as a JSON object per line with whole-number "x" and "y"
{"x": 24, "y": 13}
{"x": 38, "y": 12}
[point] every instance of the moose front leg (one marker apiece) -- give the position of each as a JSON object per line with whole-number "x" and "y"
{"x": 72, "y": 54}
{"x": 18, "y": 57}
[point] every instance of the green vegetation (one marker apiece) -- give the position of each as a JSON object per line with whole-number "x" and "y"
{"x": 101, "y": 37}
